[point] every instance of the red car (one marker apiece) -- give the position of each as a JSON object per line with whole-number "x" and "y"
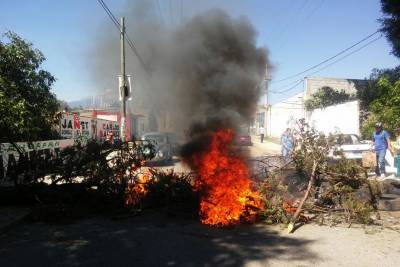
{"x": 243, "y": 139}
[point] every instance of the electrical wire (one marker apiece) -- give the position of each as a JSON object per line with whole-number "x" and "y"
{"x": 314, "y": 10}
{"x": 289, "y": 89}
{"x": 327, "y": 60}
{"x": 334, "y": 62}
{"x": 129, "y": 40}
{"x": 109, "y": 13}
{"x": 345, "y": 56}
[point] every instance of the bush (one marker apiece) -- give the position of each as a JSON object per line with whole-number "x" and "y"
{"x": 326, "y": 96}
{"x": 334, "y": 183}
{"x": 84, "y": 179}
{"x": 357, "y": 211}
{"x": 172, "y": 192}
{"x": 273, "y": 191}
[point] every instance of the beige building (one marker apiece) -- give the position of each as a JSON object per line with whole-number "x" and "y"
{"x": 312, "y": 84}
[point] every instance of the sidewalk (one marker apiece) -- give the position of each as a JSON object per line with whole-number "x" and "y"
{"x": 268, "y": 145}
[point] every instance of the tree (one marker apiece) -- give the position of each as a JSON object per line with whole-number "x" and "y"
{"x": 63, "y": 106}
{"x": 26, "y": 103}
{"x": 386, "y": 106}
{"x": 391, "y": 23}
{"x": 326, "y": 96}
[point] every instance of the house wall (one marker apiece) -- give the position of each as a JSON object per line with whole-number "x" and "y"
{"x": 283, "y": 115}
{"x": 341, "y": 118}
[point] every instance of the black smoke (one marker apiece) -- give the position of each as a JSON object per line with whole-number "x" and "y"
{"x": 205, "y": 73}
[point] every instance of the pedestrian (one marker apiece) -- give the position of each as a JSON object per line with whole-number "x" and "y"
{"x": 380, "y": 143}
{"x": 287, "y": 144}
{"x": 262, "y": 133}
{"x": 396, "y": 151}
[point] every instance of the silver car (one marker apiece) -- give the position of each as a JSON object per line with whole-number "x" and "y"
{"x": 351, "y": 145}
{"x": 162, "y": 146}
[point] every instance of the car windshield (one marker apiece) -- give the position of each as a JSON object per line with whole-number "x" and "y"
{"x": 346, "y": 139}
{"x": 243, "y": 131}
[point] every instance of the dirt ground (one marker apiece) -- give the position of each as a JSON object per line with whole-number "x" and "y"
{"x": 155, "y": 240}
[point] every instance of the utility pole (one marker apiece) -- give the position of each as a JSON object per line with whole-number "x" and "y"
{"x": 122, "y": 88}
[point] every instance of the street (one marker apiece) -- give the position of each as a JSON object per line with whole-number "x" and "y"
{"x": 258, "y": 149}
{"x": 157, "y": 240}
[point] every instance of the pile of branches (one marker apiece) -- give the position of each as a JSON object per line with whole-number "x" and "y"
{"x": 338, "y": 187}
{"x": 81, "y": 180}
{"x": 166, "y": 191}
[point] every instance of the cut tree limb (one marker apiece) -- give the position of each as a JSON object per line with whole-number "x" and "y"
{"x": 299, "y": 208}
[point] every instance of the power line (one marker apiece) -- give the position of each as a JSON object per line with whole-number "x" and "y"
{"x": 290, "y": 23}
{"x": 289, "y": 89}
{"x": 291, "y": 83}
{"x": 293, "y": 12}
{"x": 334, "y": 62}
{"x": 326, "y": 60}
{"x": 129, "y": 40}
{"x": 314, "y": 10}
{"x": 109, "y": 13}
{"x": 345, "y": 56}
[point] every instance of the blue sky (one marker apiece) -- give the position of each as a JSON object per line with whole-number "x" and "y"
{"x": 297, "y": 33}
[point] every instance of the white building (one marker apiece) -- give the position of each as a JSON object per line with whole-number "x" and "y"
{"x": 342, "y": 118}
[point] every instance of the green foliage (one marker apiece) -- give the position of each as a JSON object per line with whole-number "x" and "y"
{"x": 312, "y": 148}
{"x": 85, "y": 179}
{"x": 342, "y": 178}
{"x": 391, "y": 23}
{"x": 326, "y": 96}
{"x": 272, "y": 191}
{"x": 357, "y": 211}
{"x": 339, "y": 183}
{"x": 386, "y": 106}
{"x": 26, "y": 102}
{"x": 172, "y": 191}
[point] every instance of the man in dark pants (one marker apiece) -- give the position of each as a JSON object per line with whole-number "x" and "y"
{"x": 381, "y": 142}
{"x": 262, "y": 132}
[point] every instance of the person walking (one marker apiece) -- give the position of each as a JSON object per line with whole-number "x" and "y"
{"x": 287, "y": 144}
{"x": 396, "y": 151}
{"x": 262, "y": 133}
{"x": 380, "y": 143}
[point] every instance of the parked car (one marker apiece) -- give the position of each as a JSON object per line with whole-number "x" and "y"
{"x": 351, "y": 145}
{"x": 176, "y": 142}
{"x": 162, "y": 146}
{"x": 243, "y": 138}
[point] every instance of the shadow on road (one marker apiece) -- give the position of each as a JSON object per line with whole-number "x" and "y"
{"x": 148, "y": 240}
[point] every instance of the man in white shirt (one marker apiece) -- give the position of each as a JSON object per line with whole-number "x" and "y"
{"x": 262, "y": 133}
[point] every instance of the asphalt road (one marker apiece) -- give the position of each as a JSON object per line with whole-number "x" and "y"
{"x": 155, "y": 240}
{"x": 258, "y": 149}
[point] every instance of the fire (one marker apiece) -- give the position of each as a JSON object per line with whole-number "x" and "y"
{"x": 226, "y": 194}
{"x": 136, "y": 190}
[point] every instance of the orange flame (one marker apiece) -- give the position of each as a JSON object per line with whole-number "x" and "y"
{"x": 137, "y": 190}
{"x": 226, "y": 194}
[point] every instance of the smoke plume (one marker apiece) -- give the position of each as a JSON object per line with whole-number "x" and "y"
{"x": 205, "y": 73}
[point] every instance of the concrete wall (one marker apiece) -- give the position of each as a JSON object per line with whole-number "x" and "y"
{"x": 312, "y": 84}
{"x": 284, "y": 114}
{"x": 342, "y": 118}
